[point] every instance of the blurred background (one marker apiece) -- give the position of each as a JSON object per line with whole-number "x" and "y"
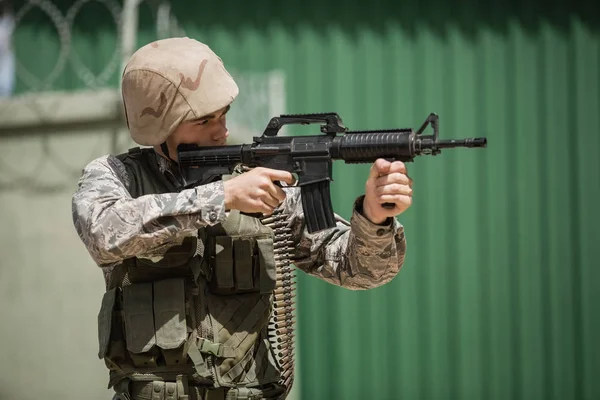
{"x": 499, "y": 294}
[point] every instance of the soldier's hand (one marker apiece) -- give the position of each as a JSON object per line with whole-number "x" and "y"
{"x": 387, "y": 183}
{"x": 255, "y": 191}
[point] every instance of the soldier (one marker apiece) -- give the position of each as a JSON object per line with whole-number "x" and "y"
{"x": 190, "y": 277}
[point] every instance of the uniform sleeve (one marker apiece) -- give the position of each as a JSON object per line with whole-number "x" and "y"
{"x": 356, "y": 255}
{"x": 114, "y": 226}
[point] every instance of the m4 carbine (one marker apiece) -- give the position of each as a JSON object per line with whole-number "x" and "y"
{"x": 310, "y": 157}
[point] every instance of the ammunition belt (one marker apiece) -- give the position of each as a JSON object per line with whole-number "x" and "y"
{"x": 282, "y": 321}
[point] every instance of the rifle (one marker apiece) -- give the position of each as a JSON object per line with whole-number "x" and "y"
{"x": 310, "y": 157}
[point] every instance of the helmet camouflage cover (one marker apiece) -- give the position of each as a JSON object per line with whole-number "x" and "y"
{"x": 170, "y": 81}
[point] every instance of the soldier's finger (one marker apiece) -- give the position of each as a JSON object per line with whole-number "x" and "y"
{"x": 395, "y": 198}
{"x": 280, "y": 175}
{"x": 398, "y": 166}
{"x": 265, "y": 209}
{"x": 395, "y": 177}
{"x": 394, "y": 188}
{"x": 379, "y": 167}
{"x": 274, "y": 191}
{"x": 270, "y": 201}
{"x": 279, "y": 194}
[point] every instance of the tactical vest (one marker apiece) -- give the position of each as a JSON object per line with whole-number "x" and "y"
{"x": 217, "y": 308}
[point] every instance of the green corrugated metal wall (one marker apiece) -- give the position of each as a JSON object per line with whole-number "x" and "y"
{"x": 498, "y": 293}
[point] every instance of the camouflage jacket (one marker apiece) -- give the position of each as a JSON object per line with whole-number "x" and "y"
{"x": 114, "y": 226}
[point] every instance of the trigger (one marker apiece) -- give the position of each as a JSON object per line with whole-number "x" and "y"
{"x": 284, "y": 184}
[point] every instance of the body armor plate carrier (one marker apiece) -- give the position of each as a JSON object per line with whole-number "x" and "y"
{"x": 217, "y": 308}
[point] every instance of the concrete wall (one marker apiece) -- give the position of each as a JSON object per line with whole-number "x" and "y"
{"x": 50, "y": 290}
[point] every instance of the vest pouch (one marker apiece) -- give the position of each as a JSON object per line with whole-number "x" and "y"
{"x": 175, "y": 262}
{"x": 177, "y": 256}
{"x": 232, "y": 264}
{"x": 266, "y": 257}
{"x": 244, "y": 256}
{"x": 170, "y": 319}
{"x": 110, "y": 332}
{"x": 105, "y": 318}
{"x": 223, "y": 263}
{"x": 138, "y": 317}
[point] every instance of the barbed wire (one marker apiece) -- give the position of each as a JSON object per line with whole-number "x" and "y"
{"x": 81, "y": 70}
{"x": 261, "y": 94}
{"x": 64, "y": 23}
{"x": 64, "y": 26}
{"x": 33, "y": 82}
{"x": 35, "y": 178}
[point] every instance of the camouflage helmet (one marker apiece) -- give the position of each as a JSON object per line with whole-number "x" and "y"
{"x": 171, "y": 81}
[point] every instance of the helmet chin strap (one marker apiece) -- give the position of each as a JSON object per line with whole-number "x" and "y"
{"x": 165, "y": 149}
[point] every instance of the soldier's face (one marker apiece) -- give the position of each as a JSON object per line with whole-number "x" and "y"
{"x": 210, "y": 130}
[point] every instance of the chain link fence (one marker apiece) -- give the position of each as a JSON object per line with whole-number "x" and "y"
{"x": 60, "y": 64}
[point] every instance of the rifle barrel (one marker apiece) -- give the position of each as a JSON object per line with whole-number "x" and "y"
{"x": 469, "y": 142}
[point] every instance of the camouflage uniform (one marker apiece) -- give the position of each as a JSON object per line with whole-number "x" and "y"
{"x": 113, "y": 226}
{"x": 116, "y": 226}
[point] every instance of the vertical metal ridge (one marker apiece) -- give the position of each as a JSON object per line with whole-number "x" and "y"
{"x": 575, "y": 219}
{"x": 360, "y": 76}
{"x": 483, "y": 255}
{"x": 543, "y": 160}
{"x": 327, "y": 90}
{"x": 450, "y": 224}
{"x": 512, "y": 167}
{"x": 421, "y": 61}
